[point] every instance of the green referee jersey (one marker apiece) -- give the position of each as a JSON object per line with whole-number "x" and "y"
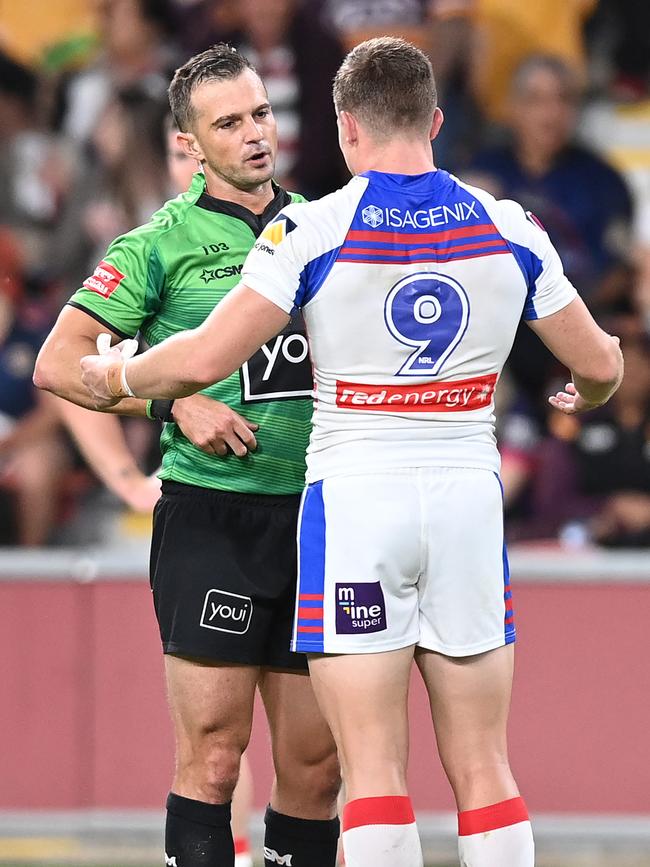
{"x": 165, "y": 277}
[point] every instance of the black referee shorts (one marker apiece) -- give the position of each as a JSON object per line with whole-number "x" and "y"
{"x": 223, "y": 575}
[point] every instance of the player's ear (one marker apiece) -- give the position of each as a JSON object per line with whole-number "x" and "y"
{"x": 436, "y": 123}
{"x": 348, "y": 127}
{"x": 189, "y": 145}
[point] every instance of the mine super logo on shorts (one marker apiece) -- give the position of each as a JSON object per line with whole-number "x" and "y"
{"x": 226, "y": 612}
{"x": 360, "y": 607}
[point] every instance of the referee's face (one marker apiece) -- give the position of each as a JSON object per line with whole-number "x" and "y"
{"x": 234, "y": 131}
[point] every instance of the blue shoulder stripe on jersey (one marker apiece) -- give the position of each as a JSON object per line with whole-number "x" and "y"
{"x": 313, "y": 276}
{"x": 531, "y": 267}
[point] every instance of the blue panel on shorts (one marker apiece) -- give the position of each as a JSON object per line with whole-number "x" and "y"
{"x": 510, "y": 632}
{"x": 311, "y": 572}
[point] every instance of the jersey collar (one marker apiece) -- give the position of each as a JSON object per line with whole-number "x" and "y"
{"x": 256, "y": 222}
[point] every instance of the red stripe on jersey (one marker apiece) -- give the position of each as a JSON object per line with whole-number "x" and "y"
{"x": 311, "y": 596}
{"x": 461, "y": 395}
{"x": 310, "y": 628}
{"x": 423, "y": 237}
{"x": 310, "y": 613}
{"x": 389, "y": 810}
{"x": 438, "y": 257}
{"x": 470, "y": 245}
{"x": 490, "y": 818}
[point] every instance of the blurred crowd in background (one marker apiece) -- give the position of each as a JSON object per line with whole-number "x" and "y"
{"x": 546, "y": 102}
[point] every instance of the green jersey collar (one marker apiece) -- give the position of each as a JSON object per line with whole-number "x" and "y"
{"x": 256, "y": 222}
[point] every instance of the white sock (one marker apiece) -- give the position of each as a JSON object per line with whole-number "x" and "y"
{"x": 243, "y": 857}
{"x": 496, "y": 836}
{"x": 381, "y": 832}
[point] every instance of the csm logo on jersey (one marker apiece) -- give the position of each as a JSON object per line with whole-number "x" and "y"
{"x": 442, "y": 215}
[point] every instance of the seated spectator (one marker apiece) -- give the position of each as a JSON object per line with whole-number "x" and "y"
{"x": 135, "y": 52}
{"x": 508, "y": 32}
{"x": 357, "y": 20}
{"x": 33, "y": 459}
{"x": 32, "y": 162}
{"x": 593, "y": 472}
{"x": 582, "y": 202}
{"x": 621, "y": 31}
{"x": 297, "y": 58}
{"x": 119, "y": 184}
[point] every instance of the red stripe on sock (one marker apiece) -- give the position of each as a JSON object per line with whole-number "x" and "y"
{"x": 242, "y": 846}
{"x": 490, "y": 818}
{"x": 389, "y": 810}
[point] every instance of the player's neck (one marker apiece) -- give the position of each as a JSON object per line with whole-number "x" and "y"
{"x": 255, "y": 200}
{"x": 397, "y": 157}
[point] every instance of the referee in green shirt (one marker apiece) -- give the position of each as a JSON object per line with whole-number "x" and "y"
{"x": 223, "y": 549}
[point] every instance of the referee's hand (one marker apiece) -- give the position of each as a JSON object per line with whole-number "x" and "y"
{"x": 213, "y": 427}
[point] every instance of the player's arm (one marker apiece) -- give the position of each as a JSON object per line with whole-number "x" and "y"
{"x": 35, "y": 425}
{"x": 208, "y": 424}
{"x": 57, "y": 370}
{"x": 101, "y": 441}
{"x": 593, "y": 357}
{"x": 192, "y": 360}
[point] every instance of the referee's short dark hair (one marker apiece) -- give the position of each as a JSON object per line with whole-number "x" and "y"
{"x": 388, "y": 84}
{"x": 219, "y": 62}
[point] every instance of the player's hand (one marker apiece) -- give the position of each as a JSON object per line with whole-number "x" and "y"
{"x": 94, "y": 375}
{"x": 569, "y": 401}
{"x": 94, "y": 368}
{"x": 214, "y": 427}
{"x": 139, "y": 492}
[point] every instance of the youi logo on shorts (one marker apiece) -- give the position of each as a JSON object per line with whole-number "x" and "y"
{"x": 227, "y": 612}
{"x": 360, "y": 608}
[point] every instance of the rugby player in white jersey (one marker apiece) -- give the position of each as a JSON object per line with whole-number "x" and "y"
{"x": 411, "y": 285}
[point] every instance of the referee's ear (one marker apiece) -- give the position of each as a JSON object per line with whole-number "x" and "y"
{"x": 189, "y": 145}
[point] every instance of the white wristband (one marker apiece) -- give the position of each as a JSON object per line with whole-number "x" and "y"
{"x": 125, "y": 385}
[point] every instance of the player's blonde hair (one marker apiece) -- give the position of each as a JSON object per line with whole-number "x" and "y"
{"x": 388, "y": 84}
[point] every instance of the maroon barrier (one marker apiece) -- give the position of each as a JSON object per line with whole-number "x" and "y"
{"x": 84, "y": 722}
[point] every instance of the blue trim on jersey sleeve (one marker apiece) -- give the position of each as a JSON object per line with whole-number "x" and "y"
{"x": 531, "y": 267}
{"x": 313, "y": 276}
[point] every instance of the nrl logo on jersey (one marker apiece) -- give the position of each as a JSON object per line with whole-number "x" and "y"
{"x": 278, "y": 230}
{"x": 442, "y": 215}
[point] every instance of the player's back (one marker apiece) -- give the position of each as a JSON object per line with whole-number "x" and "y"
{"x": 412, "y": 288}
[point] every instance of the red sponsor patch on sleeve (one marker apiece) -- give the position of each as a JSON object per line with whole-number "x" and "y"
{"x": 104, "y": 280}
{"x": 535, "y": 220}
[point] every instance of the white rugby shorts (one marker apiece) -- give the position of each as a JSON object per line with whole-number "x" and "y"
{"x": 413, "y": 556}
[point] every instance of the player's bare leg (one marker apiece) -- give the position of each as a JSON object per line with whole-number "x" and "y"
{"x": 364, "y": 699}
{"x": 301, "y": 818}
{"x": 242, "y": 803}
{"x": 212, "y": 709}
{"x": 470, "y": 701}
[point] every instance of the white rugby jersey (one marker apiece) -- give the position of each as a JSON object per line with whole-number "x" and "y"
{"x": 412, "y": 287}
